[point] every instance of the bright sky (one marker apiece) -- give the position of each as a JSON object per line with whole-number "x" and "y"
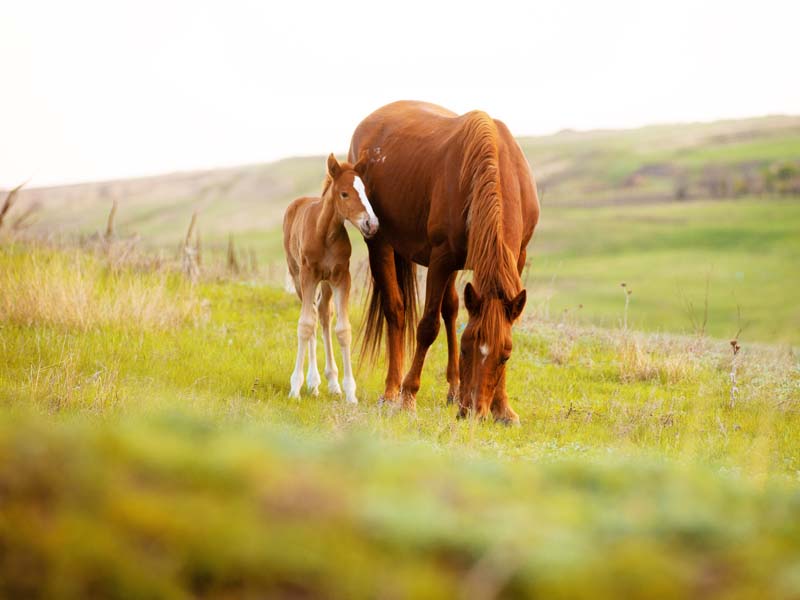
{"x": 104, "y": 89}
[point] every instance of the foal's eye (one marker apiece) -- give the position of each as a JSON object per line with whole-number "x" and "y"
{"x": 343, "y": 195}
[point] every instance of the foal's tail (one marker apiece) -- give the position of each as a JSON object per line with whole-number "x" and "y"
{"x": 288, "y": 283}
{"x": 372, "y": 325}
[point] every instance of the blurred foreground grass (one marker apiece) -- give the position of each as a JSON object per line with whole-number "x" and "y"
{"x": 161, "y": 457}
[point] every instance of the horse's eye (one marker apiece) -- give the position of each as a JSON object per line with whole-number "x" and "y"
{"x": 343, "y": 195}
{"x": 504, "y": 359}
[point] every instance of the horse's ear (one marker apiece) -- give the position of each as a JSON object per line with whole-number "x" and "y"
{"x": 471, "y": 300}
{"x": 333, "y": 166}
{"x": 361, "y": 166}
{"x": 514, "y": 307}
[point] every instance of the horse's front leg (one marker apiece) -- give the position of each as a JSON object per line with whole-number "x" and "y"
{"x": 449, "y": 314}
{"x": 341, "y": 296}
{"x": 306, "y": 330}
{"x": 502, "y": 412}
{"x": 439, "y": 272}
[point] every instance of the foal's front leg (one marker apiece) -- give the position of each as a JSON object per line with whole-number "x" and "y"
{"x": 306, "y": 328}
{"x": 341, "y": 294}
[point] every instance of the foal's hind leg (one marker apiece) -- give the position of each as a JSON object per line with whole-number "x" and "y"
{"x": 341, "y": 295}
{"x": 306, "y": 327}
{"x": 312, "y": 376}
{"x": 324, "y": 309}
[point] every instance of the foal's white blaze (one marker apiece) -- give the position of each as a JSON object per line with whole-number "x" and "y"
{"x": 358, "y": 186}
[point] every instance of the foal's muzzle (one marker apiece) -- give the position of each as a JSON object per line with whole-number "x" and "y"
{"x": 368, "y": 226}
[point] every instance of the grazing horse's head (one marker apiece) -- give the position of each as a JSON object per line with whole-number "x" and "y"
{"x": 349, "y": 195}
{"x": 485, "y": 348}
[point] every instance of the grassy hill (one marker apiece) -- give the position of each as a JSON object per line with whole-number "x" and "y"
{"x": 147, "y": 448}
{"x": 688, "y": 216}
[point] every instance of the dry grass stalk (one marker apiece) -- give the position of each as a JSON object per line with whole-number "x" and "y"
{"x": 627, "y": 292}
{"x": 233, "y": 262}
{"x": 109, "y": 235}
{"x": 191, "y": 268}
{"x": 11, "y": 197}
{"x": 735, "y": 347}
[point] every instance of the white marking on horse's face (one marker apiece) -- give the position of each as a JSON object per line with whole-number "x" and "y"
{"x": 484, "y": 348}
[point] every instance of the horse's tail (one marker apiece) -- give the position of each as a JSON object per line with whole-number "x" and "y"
{"x": 373, "y": 323}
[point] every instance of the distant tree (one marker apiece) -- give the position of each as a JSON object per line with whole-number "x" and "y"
{"x": 680, "y": 185}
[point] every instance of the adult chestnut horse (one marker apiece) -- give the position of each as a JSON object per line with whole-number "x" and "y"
{"x": 451, "y": 192}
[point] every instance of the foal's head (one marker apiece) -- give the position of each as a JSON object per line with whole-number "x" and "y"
{"x": 346, "y": 186}
{"x": 485, "y": 346}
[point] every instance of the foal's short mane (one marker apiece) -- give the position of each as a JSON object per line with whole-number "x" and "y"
{"x": 328, "y": 181}
{"x": 326, "y": 185}
{"x": 493, "y": 264}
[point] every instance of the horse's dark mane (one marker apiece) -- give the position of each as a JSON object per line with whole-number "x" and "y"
{"x": 492, "y": 262}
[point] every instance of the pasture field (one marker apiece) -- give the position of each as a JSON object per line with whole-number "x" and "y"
{"x": 609, "y": 215}
{"x": 148, "y": 448}
{"x": 740, "y": 258}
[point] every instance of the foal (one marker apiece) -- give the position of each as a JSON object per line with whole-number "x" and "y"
{"x": 318, "y": 252}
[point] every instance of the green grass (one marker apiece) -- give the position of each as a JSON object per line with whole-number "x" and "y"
{"x": 747, "y": 252}
{"x": 152, "y": 458}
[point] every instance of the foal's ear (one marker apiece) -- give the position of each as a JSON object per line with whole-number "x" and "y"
{"x": 361, "y": 166}
{"x": 514, "y": 307}
{"x": 333, "y": 166}
{"x": 471, "y": 300}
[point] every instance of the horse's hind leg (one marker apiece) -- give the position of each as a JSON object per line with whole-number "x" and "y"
{"x": 341, "y": 295}
{"x": 449, "y": 314}
{"x": 384, "y": 272}
{"x": 324, "y": 309}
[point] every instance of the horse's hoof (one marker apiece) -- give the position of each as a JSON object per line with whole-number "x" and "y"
{"x": 508, "y": 418}
{"x": 391, "y": 404}
{"x": 294, "y": 394}
{"x": 408, "y": 401}
{"x": 315, "y": 391}
{"x": 351, "y": 400}
{"x": 334, "y": 388}
{"x": 452, "y": 397}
